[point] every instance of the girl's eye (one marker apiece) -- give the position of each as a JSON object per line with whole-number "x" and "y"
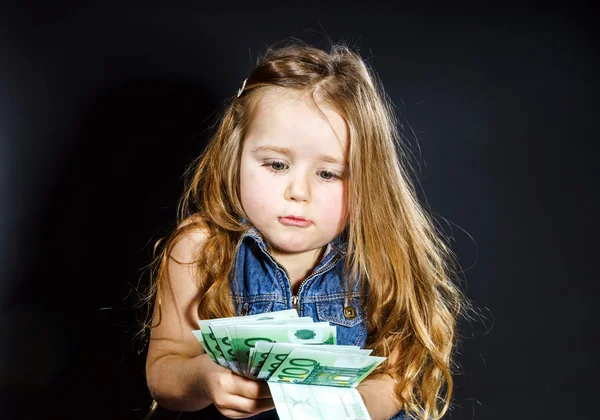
{"x": 328, "y": 176}
{"x": 276, "y": 166}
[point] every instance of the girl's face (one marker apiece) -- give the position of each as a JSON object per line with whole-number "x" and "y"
{"x": 292, "y": 173}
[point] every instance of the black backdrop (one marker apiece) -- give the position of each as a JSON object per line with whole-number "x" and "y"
{"x": 102, "y": 107}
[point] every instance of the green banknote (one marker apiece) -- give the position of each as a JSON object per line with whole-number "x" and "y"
{"x": 258, "y": 355}
{"x": 198, "y": 335}
{"x": 224, "y": 343}
{"x": 280, "y": 351}
{"x": 224, "y": 335}
{"x": 211, "y": 344}
{"x": 310, "y": 366}
{"x": 245, "y": 336}
{"x": 297, "y": 321}
{"x": 244, "y": 344}
{"x": 251, "y": 358}
{"x": 317, "y": 402}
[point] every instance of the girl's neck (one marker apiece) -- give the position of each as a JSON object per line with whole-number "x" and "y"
{"x": 300, "y": 265}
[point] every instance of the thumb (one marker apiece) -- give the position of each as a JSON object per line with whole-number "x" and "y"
{"x": 252, "y": 389}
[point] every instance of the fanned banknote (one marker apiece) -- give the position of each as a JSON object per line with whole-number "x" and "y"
{"x": 224, "y": 335}
{"x": 310, "y": 366}
{"x": 198, "y": 335}
{"x": 260, "y": 353}
{"x": 280, "y": 351}
{"x": 305, "y": 402}
{"x": 309, "y": 375}
{"x": 210, "y": 344}
{"x": 245, "y": 336}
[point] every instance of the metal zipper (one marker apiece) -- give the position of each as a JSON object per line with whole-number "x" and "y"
{"x": 316, "y": 273}
{"x": 287, "y": 275}
{"x": 279, "y": 265}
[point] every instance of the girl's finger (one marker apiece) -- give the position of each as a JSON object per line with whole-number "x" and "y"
{"x": 263, "y": 391}
{"x": 251, "y": 389}
{"x": 244, "y": 407}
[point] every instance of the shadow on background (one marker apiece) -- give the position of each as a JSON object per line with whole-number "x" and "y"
{"x": 72, "y": 347}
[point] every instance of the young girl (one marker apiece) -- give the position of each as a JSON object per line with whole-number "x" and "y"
{"x": 300, "y": 200}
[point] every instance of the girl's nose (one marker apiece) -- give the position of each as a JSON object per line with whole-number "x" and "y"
{"x": 298, "y": 188}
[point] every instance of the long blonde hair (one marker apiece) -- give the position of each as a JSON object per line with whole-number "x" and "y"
{"x": 395, "y": 250}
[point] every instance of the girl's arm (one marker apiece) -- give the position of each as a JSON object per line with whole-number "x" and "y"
{"x": 378, "y": 395}
{"x": 180, "y": 376}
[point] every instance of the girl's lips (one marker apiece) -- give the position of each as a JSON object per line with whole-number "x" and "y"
{"x": 292, "y": 221}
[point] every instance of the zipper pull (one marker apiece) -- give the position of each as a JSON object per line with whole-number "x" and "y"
{"x": 295, "y": 302}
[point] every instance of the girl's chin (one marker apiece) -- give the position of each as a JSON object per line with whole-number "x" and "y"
{"x": 287, "y": 249}
{"x": 283, "y": 246}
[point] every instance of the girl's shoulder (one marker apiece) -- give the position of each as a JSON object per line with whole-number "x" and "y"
{"x": 194, "y": 223}
{"x": 189, "y": 236}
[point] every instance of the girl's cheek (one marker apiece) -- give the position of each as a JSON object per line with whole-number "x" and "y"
{"x": 266, "y": 190}
{"x": 332, "y": 205}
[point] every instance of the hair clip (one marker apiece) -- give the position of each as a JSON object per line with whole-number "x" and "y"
{"x": 242, "y": 88}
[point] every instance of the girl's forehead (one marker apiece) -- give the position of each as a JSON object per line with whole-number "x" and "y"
{"x": 280, "y": 99}
{"x": 286, "y": 114}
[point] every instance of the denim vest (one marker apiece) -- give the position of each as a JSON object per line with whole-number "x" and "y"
{"x": 259, "y": 284}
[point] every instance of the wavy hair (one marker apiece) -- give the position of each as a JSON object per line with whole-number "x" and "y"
{"x": 395, "y": 250}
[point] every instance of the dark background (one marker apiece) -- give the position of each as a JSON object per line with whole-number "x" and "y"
{"x": 102, "y": 107}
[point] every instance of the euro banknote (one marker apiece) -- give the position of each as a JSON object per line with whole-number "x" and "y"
{"x": 224, "y": 334}
{"x": 280, "y": 351}
{"x": 305, "y": 351}
{"x": 312, "y": 366}
{"x": 317, "y": 402}
{"x": 245, "y": 336}
{"x": 210, "y": 343}
{"x": 309, "y": 374}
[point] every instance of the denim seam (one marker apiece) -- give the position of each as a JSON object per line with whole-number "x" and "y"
{"x": 265, "y": 297}
{"x": 328, "y": 297}
{"x": 360, "y": 336}
{"x": 282, "y": 282}
{"x": 341, "y": 321}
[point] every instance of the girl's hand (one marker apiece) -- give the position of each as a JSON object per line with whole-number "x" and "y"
{"x": 236, "y": 396}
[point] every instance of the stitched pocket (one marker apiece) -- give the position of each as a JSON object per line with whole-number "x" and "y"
{"x": 349, "y": 331}
{"x": 333, "y": 311}
{"x": 245, "y": 307}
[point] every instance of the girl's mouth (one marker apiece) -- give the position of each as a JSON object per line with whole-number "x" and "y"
{"x": 295, "y": 221}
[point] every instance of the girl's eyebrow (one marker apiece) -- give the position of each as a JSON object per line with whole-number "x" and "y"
{"x": 282, "y": 150}
{"x": 330, "y": 159}
{"x": 286, "y": 151}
